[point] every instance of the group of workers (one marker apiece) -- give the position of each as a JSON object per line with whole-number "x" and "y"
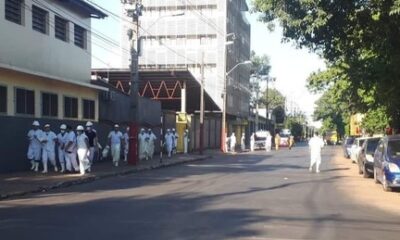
{"x": 146, "y": 144}
{"x": 171, "y": 141}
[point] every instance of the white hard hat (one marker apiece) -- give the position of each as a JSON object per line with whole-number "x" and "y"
{"x": 79, "y": 128}
{"x": 168, "y": 130}
{"x": 47, "y": 125}
{"x": 36, "y": 123}
{"x": 89, "y": 124}
{"x": 173, "y": 129}
{"x": 63, "y": 127}
{"x": 116, "y": 126}
{"x": 142, "y": 130}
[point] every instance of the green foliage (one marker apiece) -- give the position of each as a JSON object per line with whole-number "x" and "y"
{"x": 360, "y": 41}
{"x": 375, "y": 121}
{"x": 260, "y": 73}
{"x": 295, "y": 124}
{"x": 274, "y": 98}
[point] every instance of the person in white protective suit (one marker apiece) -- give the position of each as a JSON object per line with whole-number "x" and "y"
{"x": 126, "y": 140}
{"x": 116, "y": 139}
{"x": 150, "y": 145}
{"x": 83, "y": 150}
{"x": 227, "y": 140}
{"x": 35, "y": 146}
{"x": 252, "y": 142}
{"x": 232, "y": 142}
{"x": 61, "y": 141}
{"x": 70, "y": 151}
{"x": 186, "y": 140}
{"x": 143, "y": 141}
{"x": 315, "y": 144}
{"x": 48, "y": 140}
{"x": 169, "y": 142}
{"x": 268, "y": 142}
{"x": 175, "y": 137}
{"x": 242, "y": 142}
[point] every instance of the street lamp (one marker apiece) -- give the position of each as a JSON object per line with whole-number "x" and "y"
{"x": 224, "y": 101}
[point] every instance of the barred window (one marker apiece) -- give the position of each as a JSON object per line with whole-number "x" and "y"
{"x": 49, "y": 105}
{"x": 88, "y": 107}
{"x": 13, "y": 11}
{"x": 25, "y": 101}
{"x": 79, "y": 36}
{"x": 3, "y": 99}
{"x": 39, "y": 19}
{"x": 70, "y": 107}
{"x": 61, "y": 28}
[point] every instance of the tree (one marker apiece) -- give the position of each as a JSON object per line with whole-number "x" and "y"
{"x": 375, "y": 121}
{"x": 259, "y": 73}
{"x": 359, "y": 39}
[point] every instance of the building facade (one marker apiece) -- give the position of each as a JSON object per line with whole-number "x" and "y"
{"x": 189, "y": 34}
{"x": 45, "y": 69}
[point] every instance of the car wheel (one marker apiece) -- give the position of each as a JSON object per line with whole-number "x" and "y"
{"x": 376, "y": 176}
{"x": 385, "y": 184}
{"x": 365, "y": 172}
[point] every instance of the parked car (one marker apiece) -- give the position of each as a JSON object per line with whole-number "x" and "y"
{"x": 365, "y": 159}
{"x": 348, "y": 142}
{"x": 356, "y": 148}
{"x": 387, "y": 162}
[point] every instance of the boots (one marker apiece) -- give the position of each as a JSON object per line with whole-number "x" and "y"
{"x": 55, "y": 169}
{"x": 62, "y": 168}
{"x": 36, "y": 166}
{"x": 44, "y": 168}
{"x": 32, "y": 165}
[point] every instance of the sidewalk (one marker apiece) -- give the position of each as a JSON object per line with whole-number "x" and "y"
{"x": 22, "y": 183}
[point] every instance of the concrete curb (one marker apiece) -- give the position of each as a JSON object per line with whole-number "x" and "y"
{"x": 88, "y": 179}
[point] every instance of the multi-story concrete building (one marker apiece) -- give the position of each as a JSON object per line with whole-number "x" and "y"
{"x": 189, "y": 33}
{"x": 45, "y": 70}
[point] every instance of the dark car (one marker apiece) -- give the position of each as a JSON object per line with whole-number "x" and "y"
{"x": 387, "y": 162}
{"x": 365, "y": 159}
{"x": 348, "y": 142}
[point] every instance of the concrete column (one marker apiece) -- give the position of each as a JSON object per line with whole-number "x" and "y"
{"x": 183, "y": 98}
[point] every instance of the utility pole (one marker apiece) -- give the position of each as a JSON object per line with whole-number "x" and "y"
{"x": 202, "y": 105}
{"x": 134, "y": 11}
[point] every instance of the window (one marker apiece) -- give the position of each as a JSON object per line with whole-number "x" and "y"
{"x": 25, "y": 101}
{"x": 70, "y": 107}
{"x": 49, "y": 105}
{"x": 61, "y": 28}
{"x": 3, "y": 99}
{"x": 13, "y": 11}
{"x": 88, "y": 109}
{"x": 80, "y": 36}
{"x": 39, "y": 19}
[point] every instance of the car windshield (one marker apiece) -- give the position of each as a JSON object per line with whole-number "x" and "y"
{"x": 349, "y": 141}
{"x": 394, "y": 149}
{"x": 372, "y": 144}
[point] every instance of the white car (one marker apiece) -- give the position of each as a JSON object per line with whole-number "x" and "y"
{"x": 356, "y": 148}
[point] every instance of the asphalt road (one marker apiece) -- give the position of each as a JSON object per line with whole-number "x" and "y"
{"x": 250, "y": 196}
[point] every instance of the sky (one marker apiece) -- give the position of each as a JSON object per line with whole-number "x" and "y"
{"x": 290, "y": 66}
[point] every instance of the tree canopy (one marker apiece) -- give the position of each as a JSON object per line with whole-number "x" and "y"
{"x": 360, "y": 41}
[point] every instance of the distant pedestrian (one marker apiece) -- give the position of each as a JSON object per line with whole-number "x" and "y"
{"x": 268, "y": 142}
{"x": 151, "y": 143}
{"x": 115, "y": 139}
{"x": 48, "y": 140}
{"x": 169, "y": 142}
{"x": 126, "y": 148}
{"x": 70, "y": 151}
{"x": 143, "y": 141}
{"x": 35, "y": 146}
{"x": 91, "y": 134}
{"x": 252, "y": 142}
{"x": 291, "y": 142}
{"x": 83, "y": 150}
{"x": 315, "y": 144}
{"x": 175, "y": 136}
{"x": 242, "y": 142}
{"x": 61, "y": 141}
{"x": 232, "y": 142}
{"x": 186, "y": 140}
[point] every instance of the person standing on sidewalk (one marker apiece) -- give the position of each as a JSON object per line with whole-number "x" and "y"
{"x": 126, "y": 144}
{"x": 48, "y": 140}
{"x": 169, "y": 142}
{"x": 115, "y": 138}
{"x": 291, "y": 142}
{"x": 83, "y": 150}
{"x": 315, "y": 144}
{"x": 152, "y": 139}
{"x": 35, "y": 146}
{"x": 252, "y": 142}
{"x": 61, "y": 141}
{"x": 175, "y": 136}
{"x": 70, "y": 151}
{"x": 92, "y": 137}
{"x": 232, "y": 142}
{"x": 142, "y": 138}
{"x": 242, "y": 142}
{"x": 268, "y": 142}
{"x": 277, "y": 141}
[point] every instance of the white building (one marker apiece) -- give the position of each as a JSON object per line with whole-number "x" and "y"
{"x": 185, "y": 34}
{"x": 45, "y": 68}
